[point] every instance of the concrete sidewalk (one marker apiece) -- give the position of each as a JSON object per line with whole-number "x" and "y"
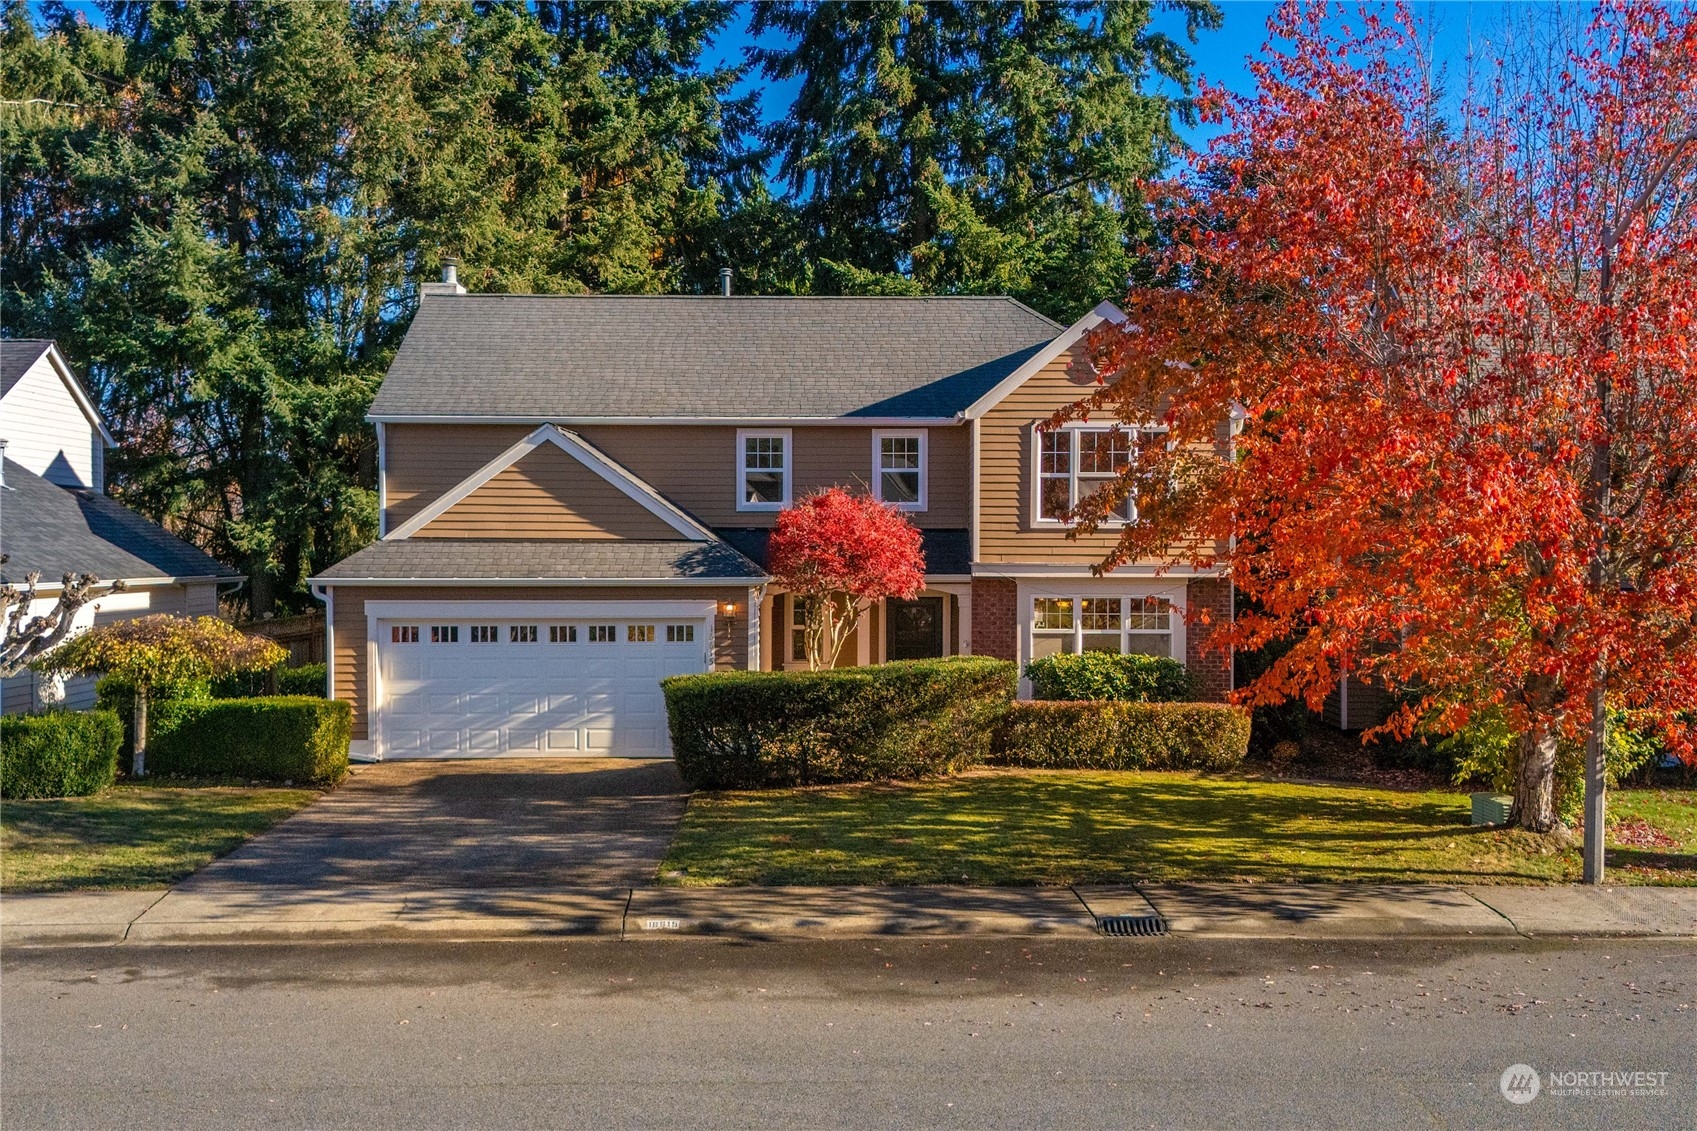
{"x": 202, "y": 912}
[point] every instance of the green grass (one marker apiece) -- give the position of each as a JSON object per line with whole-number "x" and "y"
{"x": 1061, "y": 827}
{"x": 132, "y": 835}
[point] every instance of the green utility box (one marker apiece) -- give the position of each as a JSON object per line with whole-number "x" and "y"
{"x": 1491, "y": 808}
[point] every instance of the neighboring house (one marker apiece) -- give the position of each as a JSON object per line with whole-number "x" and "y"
{"x": 576, "y": 493}
{"x": 55, "y": 519}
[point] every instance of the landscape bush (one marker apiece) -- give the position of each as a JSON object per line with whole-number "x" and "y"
{"x": 1106, "y": 735}
{"x": 1108, "y": 675}
{"x": 1483, "y": 754}
{"x": 58, "y": 753}
{"x": 292, "y": 738}
{"x": 308, "y": 679}
{"x": 908, "y": 719}
{"x": 117, "y": 694}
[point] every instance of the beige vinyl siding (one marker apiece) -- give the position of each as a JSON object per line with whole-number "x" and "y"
{"x": 353, "y": 677}
{"x": 423, "y": 462}
{"x": 1006, "y": 467}
{"x": 549, "y": 494}
{"x": 694, "y": 466}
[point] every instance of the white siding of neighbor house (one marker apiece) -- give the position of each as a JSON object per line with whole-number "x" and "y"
{"x": 48, "y": 433}
{"x": 21, "y": 693}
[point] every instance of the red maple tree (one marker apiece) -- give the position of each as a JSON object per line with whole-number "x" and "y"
{"x": 1456, "y": 350}
{"x": 838, "y": 553}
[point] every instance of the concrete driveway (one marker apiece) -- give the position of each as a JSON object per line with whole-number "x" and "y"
{"x": 489, "y": 824}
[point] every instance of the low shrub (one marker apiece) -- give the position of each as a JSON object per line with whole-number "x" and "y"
{"x": 296, "y": 738}
{"x": 1097, "y": 735}
{"x": 117, "y": 694}
{"x": 1108, "y": 675}
{"x": 913, "y": 718}
{"x": 1485, "y": 751}
{"x": 58, "y": 753}
{"x": 308, "y": 679}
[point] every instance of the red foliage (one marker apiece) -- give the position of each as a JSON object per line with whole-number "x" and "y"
{"x": 1461, "y": 356}
{"x": 832, "y": 542}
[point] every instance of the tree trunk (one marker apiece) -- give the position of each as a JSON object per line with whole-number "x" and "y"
{"x": 138, "y": 762}
{"x": 1535, "y": 780}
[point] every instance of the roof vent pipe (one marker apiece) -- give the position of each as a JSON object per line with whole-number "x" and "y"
{"x": 725, "y": 281}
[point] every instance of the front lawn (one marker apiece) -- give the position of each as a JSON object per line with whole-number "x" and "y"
{"x": 1061, "y": 827}
{"x": 132, "y": 835}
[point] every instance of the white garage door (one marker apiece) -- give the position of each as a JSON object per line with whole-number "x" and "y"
{"x": 493, "y": 687}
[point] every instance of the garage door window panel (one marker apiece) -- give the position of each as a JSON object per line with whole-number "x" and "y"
{"x": 562, "y": 634}
{"x": 444, "y": 634}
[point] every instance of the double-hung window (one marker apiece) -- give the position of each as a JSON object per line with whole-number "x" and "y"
{"x": 898, "y": 469}
{"x": 1124, "y": 625}
{"x": 764, "y": 462}
{"x": 1074, "y": 463}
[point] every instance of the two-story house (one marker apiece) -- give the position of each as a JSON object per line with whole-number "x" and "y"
{"x": 55, "y": 517}
{"x": 576, "y": 493}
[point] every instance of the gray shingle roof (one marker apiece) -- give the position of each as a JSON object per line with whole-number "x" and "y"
{"x": 560, "y": 357}
{"x": 425, "y": 559}
{"x": 16, "y": 356}
{"x": 946, "y": 551}
{"x": 53, "y": 530}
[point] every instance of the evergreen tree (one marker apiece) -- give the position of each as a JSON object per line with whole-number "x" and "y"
{"x": 938, "y": 146}
{"x": 221, "y": 211}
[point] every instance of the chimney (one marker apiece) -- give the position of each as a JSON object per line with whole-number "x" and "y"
{"x": 725, "y": 282}
{"x": 450, "y": 284}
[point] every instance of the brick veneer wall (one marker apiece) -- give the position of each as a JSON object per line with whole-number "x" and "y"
{"x": 1210, "y": 598}
{"x": 995, "y": 618}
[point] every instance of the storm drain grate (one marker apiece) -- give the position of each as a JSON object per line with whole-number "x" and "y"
{"x": 1132, "y": 926}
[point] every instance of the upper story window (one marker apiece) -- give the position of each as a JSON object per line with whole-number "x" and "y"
{"x": 764, "y": 462}
{"x": 1074, "y": 463}
{"x": 899, "y": 469}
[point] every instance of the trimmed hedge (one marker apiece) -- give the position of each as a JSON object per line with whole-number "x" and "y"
{"x": 1108, "y": 675}
{"x": 58, "y": 753}
{"x": 295, "y": 738}
{"x": 1097, "y": 735}
{"x": 308, "y": 679}
{"x": 912, "y": 718}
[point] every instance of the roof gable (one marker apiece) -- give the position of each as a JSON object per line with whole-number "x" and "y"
{"x": 588, "y": 457}
{"x": 548, "y": 494}
{"x": 612, "y": 357}
{"x": 1104, "y": 312}
{"x": 18, "y": 356}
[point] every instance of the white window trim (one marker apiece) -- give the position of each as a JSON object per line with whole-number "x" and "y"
{"x": 879, "y": 435}
{"x": 743, "y": 436}
{"x": 1075, "y": 427}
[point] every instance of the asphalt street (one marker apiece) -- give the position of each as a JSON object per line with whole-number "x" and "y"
{"x": 1011, "y": 1033}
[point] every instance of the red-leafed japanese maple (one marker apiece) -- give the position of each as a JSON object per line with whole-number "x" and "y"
{"x": 1458, "y": 349}
{"x": 838, "y": 553}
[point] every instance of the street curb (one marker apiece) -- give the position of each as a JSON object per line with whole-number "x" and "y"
{"x": 214, "y": 914}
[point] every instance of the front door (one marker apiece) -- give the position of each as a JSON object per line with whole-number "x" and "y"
{"x": 914, "y": 630}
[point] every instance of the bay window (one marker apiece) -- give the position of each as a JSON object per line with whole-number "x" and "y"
{"x": 1121, "y": 625}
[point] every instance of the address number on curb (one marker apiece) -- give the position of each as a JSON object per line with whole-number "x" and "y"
{"x": 662, "y": 924}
